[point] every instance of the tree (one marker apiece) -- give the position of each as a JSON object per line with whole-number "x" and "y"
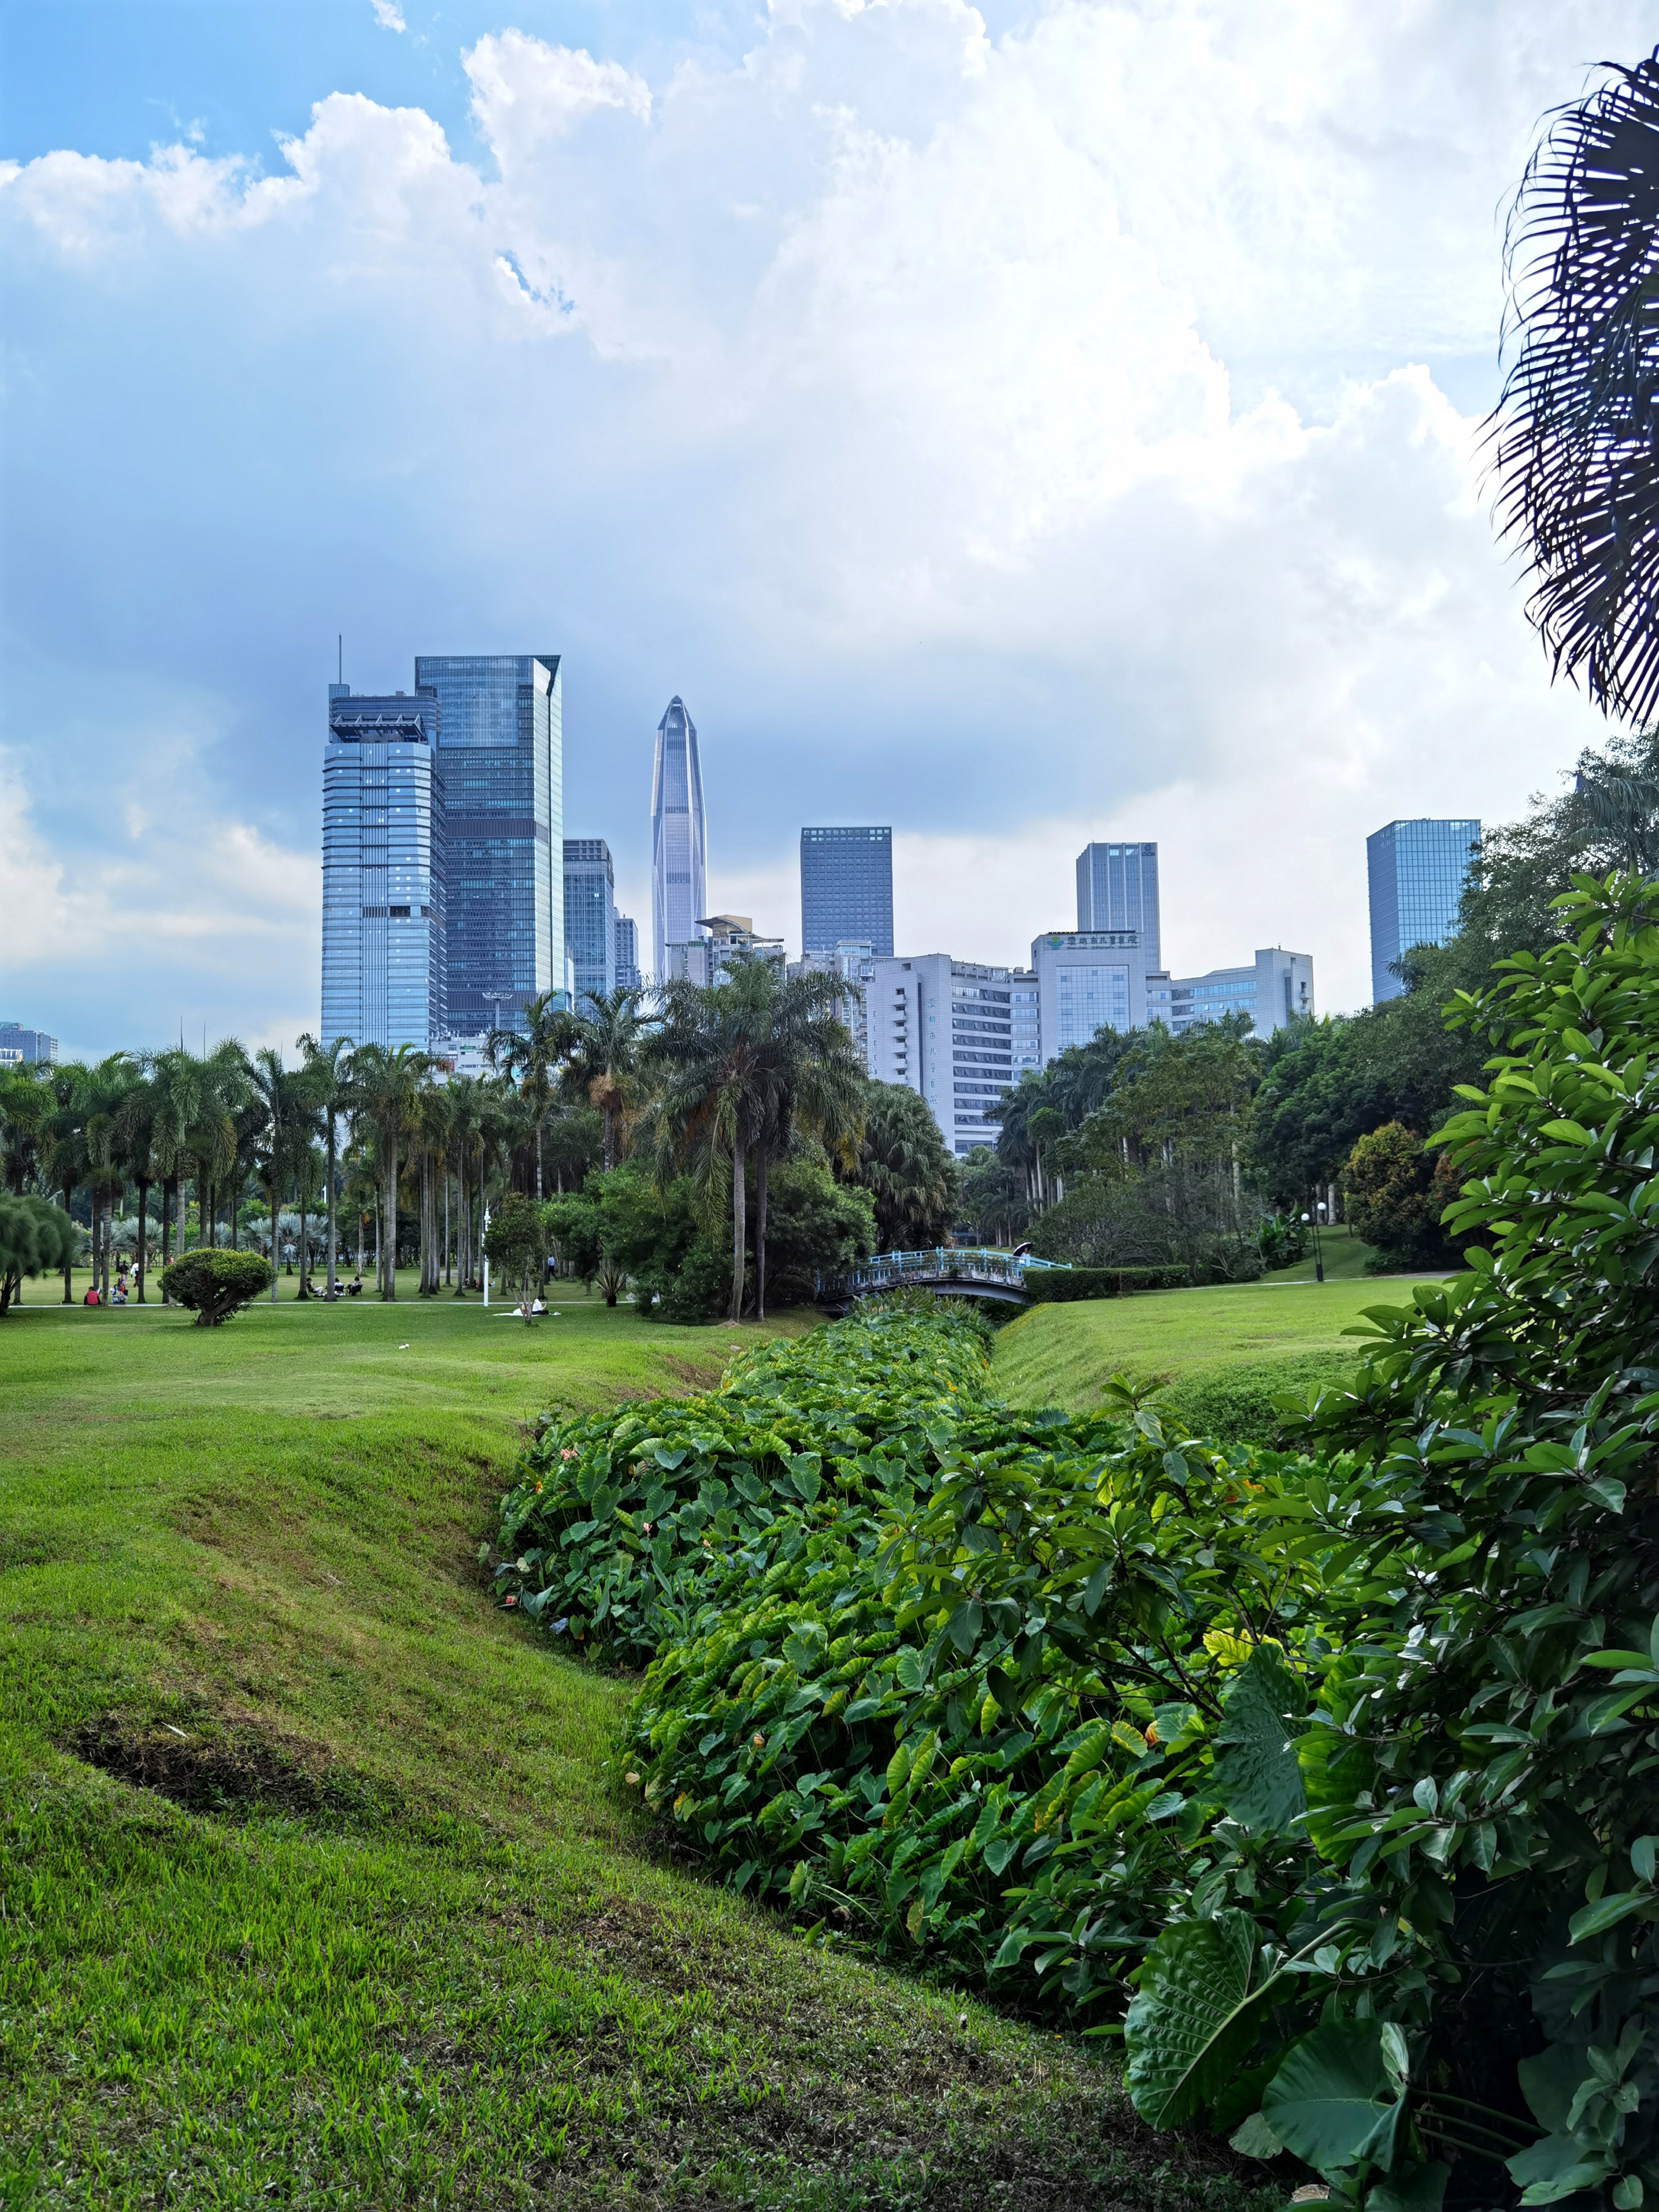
{"x": 35, "y": 1236}
{"x": 328, "y": 1084}
{"x": 215, "y": 1285}
{"x": 276, "y": 1089}
{"x": 385, "y": 1090}
{"x": 533, "y": 1056}
{"x": 1573, "y": 435}
{"x": 605, "y": 1060}
{"x": 1393, "y": 1193}
{"x": 26, "y": 1103}
{"x": 812, "y": 1079}
{"x": 993, "y": 1196}
{"x": 904, "y": 1164}
{"x": 516, "y": 1244}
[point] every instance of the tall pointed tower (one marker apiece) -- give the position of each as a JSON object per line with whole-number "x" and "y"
{"x": 679, "y": 836}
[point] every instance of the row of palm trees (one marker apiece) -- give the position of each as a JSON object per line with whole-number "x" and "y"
{"x": 713, "y": 1082}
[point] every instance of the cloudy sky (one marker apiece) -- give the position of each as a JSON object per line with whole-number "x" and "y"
{"x": 1021, "y": 425}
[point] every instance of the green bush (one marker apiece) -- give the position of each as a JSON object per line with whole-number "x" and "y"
{"x": 213, "y": 1284}
{"x": 1056, "y": 1285}
{"x": 516, "y": 1244}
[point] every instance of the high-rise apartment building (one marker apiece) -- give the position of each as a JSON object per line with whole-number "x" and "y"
{"x": 853, "y": 963}
{"x": 847, "y": 889}
{"x": 383, "y": 870}
{"x": 627, "y": 953}
{"x": 22, "y": 1047}
{"x": 590, "y": 917}
{"x": 1116, "y": 890}
{"x": 679, "y": 836}
{"x": 1416, "y": 872}
{"x": 943, "y": 1028}
{"x": 501, "y": 750}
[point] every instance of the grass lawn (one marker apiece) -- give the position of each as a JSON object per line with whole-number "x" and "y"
{"x": 316, "y": 1891}
{"x": 1226, "y": 1351}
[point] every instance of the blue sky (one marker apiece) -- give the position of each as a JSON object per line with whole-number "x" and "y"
{"x": 1019, "y": 426}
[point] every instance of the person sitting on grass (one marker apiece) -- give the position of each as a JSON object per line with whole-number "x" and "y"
{"x": 353, "y": 1288}
{"x": 91, "y": 1297}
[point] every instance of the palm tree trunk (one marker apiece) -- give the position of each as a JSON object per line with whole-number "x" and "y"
{"x": 539, "y": 1159}
{"x": 447, "y": 1180}
{"x": 69, "y": 1295}
{"x": 305, "y": 1249}
{"x": 144, "y": 1238}
{"x": 739, "y": 1230}
{"x": 270, "y": 1191}
{"x": 166, "y": 1231}
{"x": 331, "y": 1202}
{"x": 389, "y": 1230}
{"x": 760, "y": 1231}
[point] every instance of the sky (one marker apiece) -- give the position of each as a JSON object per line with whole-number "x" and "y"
{"x": 1020, "y": 426}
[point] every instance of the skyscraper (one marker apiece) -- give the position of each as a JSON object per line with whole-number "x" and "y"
{"x": 22, "y": 1047}
{"x": 628, "y": 952}
{"x": 679, "y": 836}
{"x": 501, "y": 751}
{"x": 590, "y": 917}
{"x": 847, "y": 889}
{"x": 1417, "y": 871}
{"x": 1117, "y": 889}
{"x": 383, "y": 871}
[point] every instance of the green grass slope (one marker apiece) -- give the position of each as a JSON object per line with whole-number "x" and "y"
{"x": 1226, "y": 1351}
{"x": 315, "y": 1892}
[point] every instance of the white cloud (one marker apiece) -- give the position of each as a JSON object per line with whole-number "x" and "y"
{"x": 388, "y": 15}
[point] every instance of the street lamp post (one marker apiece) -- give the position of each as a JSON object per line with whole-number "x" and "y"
{"x": 1313, "y": 1221}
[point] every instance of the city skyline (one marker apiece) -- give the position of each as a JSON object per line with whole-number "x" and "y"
{"x": 1058, "y": 542}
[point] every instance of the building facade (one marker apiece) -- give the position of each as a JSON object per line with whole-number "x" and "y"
{"x": 1088, "y": 980}
{"x": 1025, "y": 1020}
{"x": 22, "y": 1047}
{"x": 627, "y": 953}
{"x": 1415, "y": 873}
{"x": 590, "y": 918}
{"x": 943, "y": 1028}
{"x": 500, "y": 747}
{"x": 679, "y": 836}
{"x": 383, "y": 871}
{"x": 1117, "y": 889}
{"x": 847, "y": 889}
{"x": 1277, "y": 988}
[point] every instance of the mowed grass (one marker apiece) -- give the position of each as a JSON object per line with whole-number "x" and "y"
{"x": 1226, "y": 1352}
{"x": 316, "y": 1887}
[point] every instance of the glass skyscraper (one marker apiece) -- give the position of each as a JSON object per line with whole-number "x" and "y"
{"x": 847, "y": 889}
{"x": 1417, "y": 871}
{"x": 1117, "y": 889}
{"x": 383, "y": 871}
{"x": 590, "y": 917}
{"x": 502, "y": 755}
{"x": 679, "y": 836}
{"x": 628, "y": 952}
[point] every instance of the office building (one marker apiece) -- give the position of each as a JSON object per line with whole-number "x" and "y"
{"x": 1088, "y": 980}
{"x": 1275, "y": 988}
{"x": 1417, "y": 871}
{"x": 383, "y": 870}
{"x": 501, "y": 750}
{"x": 847, "y": 889}
{"x": 1117, "y": 889}
{"x": 679, "y": 836}
{"x": 1025, "y": 1021}
{"x": 590, "y": 918}
{"x": 627, "y": 953}
{"x": 853, "y": 963}
{"x": 943, "y": 1027}
{"x": 22, "y": 1047}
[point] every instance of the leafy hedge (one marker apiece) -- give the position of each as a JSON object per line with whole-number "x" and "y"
{"x": 1054, "y": 1285}
{"x": 214, "y": 1284}
{"x": 1327, "y": 1780}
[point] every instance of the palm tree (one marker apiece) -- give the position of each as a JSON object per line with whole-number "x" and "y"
{"x": 465, "y": 1138}
{"x": 328, "y": 1084}
{"x": 431, "y": 1132}
{"x": 717, "y": 1087}
{"x": 905, "y": 1167}
{"x": 275, "y": 1087}
{"x": 815, "y": 1081}
{"x": 606, "y": 1059}
{"x": 386, "y": 1087}
{"x": 1575, "y": 433}
{"x": 135, "y": 1136}
{"x": 533, "y": 1056}
{"x": 26, "y": 1103}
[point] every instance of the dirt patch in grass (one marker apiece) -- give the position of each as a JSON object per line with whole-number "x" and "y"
{"x": 696, "y": 1374}
{"x": 228, "y": 1770}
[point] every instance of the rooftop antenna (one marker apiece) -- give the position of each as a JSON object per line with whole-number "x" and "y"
{"x": 341, "y": 635}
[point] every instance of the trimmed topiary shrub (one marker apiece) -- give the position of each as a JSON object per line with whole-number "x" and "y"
{"x": 213, "y": 1284}
{"x": 35, "y": 1237}
{"x": 1057, "y": 1285}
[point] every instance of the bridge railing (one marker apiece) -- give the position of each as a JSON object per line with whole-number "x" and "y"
{"x": 980, "y": 1263}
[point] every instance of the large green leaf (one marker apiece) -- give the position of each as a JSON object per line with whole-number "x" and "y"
{"x": 1256, "y": 1768}
{"x": 1332, "y": 2101}
{"x": 1191, "y": 2020}
{"x": 1561, "y": 2166}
